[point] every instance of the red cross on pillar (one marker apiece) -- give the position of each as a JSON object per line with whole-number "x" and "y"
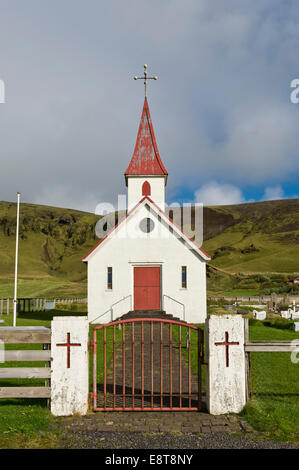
{"x": 226, "y": 343}
{"x": 68, "y": 345}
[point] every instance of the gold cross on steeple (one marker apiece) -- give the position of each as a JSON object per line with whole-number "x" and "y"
{"x": 145, "y": 78}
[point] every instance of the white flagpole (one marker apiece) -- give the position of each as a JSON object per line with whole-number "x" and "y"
{"x": 16, "y": 264}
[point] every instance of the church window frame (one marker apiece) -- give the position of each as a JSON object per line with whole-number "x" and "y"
{"x": 184, "y": 277}
{"x": 147, "y": 225}
{"x": 146, "y": 189}
{"x": 109, "y": 278}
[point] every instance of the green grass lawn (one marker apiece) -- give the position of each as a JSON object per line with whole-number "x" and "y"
{"x": 100, "y": 351}
{"x": 274, "y": 404}
{"x": 273, "y": 407}
{"x": 46, "y": 287}
{"x": 194, "y": 350}
{"x": 240, "y": 292}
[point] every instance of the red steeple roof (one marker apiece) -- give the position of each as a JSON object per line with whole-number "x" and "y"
{"x": 146, "y": 159}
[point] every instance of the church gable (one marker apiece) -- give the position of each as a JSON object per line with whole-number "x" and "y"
{"x": 147, "y": 221}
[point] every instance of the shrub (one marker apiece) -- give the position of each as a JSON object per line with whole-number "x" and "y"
{"x": 73, "y": 307}
{"x": 281, "y": 323}
{"x": 259, "y": 277}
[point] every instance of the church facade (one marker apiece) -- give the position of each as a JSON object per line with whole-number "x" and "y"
{"x": 146, "y": 262}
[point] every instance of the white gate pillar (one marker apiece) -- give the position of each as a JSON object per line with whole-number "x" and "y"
{"x": 69, "y": 366}
{"x": 226, "y": 378}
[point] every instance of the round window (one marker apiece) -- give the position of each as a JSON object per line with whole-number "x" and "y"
{"x": 147, "y": 225}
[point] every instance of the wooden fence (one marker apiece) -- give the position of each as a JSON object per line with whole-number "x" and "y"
{"x": 31, "y": 335}
{"x": 258, "y": 299}
{"x": 34, "y": 304}
{"x": 72, "y": 300}
{"x": 261, "y": 346}
{"x": 42, "y": 335}
{"x": 6, "y": 306}
{"x": 23, "y": 305}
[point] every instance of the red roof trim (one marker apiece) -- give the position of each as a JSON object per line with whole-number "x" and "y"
{"x": 146, "y": 159}
{"x": 130, "y": 212}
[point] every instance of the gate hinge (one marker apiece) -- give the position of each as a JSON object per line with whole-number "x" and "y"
{"x": 90, "y": 345}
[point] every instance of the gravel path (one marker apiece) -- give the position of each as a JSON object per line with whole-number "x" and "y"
{"x": 161, "y": 430}
{"x": 134, "y": 440}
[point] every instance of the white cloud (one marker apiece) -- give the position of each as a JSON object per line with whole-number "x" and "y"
{"x": 273, "y": 192}
{"x": 66, "y": 197}
{"x": 219, "y": 194}
{"x": 214, "y": 194}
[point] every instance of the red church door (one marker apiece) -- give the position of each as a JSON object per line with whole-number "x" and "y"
{"x": 147, "y": 288}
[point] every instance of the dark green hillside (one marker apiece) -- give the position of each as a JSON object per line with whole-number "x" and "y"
{"x": 263, "y": 237}
{"x": 52, "y": 244}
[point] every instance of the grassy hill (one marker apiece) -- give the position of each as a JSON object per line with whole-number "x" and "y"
{"x": 52, "y": 244}
{"x": 258, "y": 237}
{"x": 243, "y": 239}
{"x": 254, "y": 246}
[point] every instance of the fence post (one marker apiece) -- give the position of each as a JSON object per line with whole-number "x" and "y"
{"x": 247, "y": 358}
{"x": 69, "y": 373}
{"x": 1, "y": 306}
{"x": 226, "y": 371}
{"x": 7, "y": 306}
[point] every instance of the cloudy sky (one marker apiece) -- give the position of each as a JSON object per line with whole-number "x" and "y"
{"x": 226, "y": 128}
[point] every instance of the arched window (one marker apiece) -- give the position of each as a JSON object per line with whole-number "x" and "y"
{"x": 146, "y": 189}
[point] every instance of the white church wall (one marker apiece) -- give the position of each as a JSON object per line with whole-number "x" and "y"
{"x": 157, "y": 184}
{"x": 159, "y": 248}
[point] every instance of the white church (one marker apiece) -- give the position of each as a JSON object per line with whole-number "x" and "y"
{"x": 146, "y": 263}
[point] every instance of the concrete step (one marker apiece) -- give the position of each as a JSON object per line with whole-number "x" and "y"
{"x": 158, "y": 314}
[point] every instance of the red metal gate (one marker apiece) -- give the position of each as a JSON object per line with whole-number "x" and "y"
{"x": 147, "y": 365}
